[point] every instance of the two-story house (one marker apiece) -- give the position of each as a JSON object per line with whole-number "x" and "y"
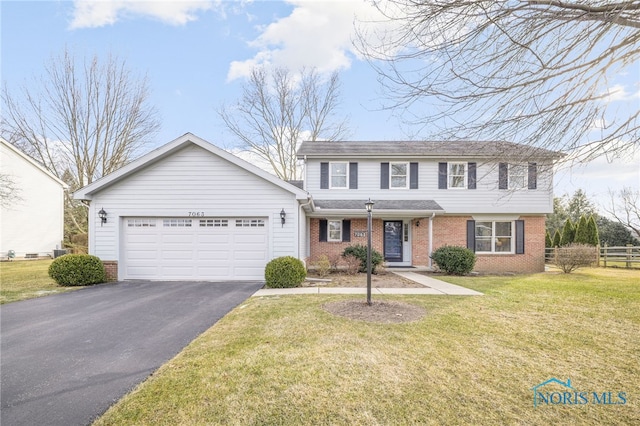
{"x": 190, "y": 210}
{"x": 491, "y": 197}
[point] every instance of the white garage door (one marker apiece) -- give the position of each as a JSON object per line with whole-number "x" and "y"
{"x": 195, "y": 248}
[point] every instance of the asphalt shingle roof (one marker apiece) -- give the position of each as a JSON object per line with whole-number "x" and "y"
{"x": 428, "y": 205}
{"x": 480, "y": 149}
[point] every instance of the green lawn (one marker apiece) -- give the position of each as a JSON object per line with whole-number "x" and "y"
{"x": 471, "y": 360}
{"x": 26, "y": 279}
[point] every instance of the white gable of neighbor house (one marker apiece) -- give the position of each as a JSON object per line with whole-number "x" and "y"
{"x": 192, "y": 182}
{"x": 34, "y": 223}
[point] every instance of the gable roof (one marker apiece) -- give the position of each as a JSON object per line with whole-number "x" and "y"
{"x": 426, "y": 149}
{"x": 34, "y": 163}
{"x": 168, "y": 149}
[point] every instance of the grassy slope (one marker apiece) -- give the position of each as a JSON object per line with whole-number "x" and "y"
{"x": 471, "y": 360}
{"x": 21, "y": 280}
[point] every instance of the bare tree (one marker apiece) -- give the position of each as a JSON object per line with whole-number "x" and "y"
{"x": 81, "y": 120}
{"x": 278, "y": 110}
{"x": 537, "y": 72}
{"x": 625, "y": 208}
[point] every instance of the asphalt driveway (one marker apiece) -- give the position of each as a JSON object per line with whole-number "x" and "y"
{"x": 66, "y": 358}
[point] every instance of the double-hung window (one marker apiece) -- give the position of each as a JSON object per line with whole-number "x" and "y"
{"x": 334, "y": 230}
{"x": 457, "y": 175}
{"x": 399, "y": 175}
{"x": 339, "y": 175}
{"x": 494, "y": 237}
{"x": 518, "y": 176}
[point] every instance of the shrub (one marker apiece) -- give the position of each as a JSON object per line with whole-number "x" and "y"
{"x": 77, "y": 269}
{"x": 571, "y": 257}
{"x": 284, "y": 272}
{"x": 322, "y": 266}
{"x": 360, "y": 251}
{"x": 335, "y": 260}
{"x": 454, "y": 260}
{"x": 353, "y": 264}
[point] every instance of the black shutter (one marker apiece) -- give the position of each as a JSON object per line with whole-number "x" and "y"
{"x": 324, "y": 175}
{"x": 519, "y": 236}
{"x": 503, "y": 176}
{"x": 413, "y": 175}
{"x": 323, "y": 230}
{"x": 442, "y": 175}
{"x": 384, "y": 175}
{"x": 471, "y": 175}
{"x": 533, "y": 176}
{"x": 346, "y": 231}
{"x": 353, "y": 175}
{"x": 471, "y": 235}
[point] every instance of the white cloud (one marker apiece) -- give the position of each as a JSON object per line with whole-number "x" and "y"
{"x": 98, "y": 13}
{"x": 317, "y": 34}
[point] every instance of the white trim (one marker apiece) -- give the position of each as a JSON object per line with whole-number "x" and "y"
{"x": 333, "y": 240}
{"x": 87, "y": 192}
{"x": 465, "y": 176}
{"x": 494, "y": 237}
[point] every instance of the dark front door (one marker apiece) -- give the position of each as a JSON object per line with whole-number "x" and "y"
{"x": 393, "y": 240}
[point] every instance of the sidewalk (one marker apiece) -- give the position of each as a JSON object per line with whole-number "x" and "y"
{"x": 431, "y": 286}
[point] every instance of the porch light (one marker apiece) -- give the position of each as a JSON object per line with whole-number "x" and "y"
{"x": 103, "y": 216}
{"x": 369, "y": 206}
{"x": 283, "y": 215}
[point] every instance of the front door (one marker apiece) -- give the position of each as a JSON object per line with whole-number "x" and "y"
{"x": 393, "y": 240}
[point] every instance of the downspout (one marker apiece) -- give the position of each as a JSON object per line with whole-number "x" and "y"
{"x": 431, "y": 239}
{"x": 301, "y": 208}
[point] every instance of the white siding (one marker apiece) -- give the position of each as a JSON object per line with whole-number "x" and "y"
{"x": 486, "y": 198}
{"x": 193, "y": 180}
{"x": 33, "y": 224}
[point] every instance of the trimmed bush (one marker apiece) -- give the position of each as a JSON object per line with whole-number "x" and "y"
{"x": 77, "y": 269}
{"x": 454, "y": 260}
{"x": 360, "y": 251}
{"x": 284, "y": 272}
{"x": 574, "y": 256}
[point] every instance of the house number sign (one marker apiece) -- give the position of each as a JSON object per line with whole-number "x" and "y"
{"x": 359, "y": 233}
{"x": 197, "y": 214}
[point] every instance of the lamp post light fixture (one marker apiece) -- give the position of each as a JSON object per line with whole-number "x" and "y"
{"x": 369, "y": 206}
{"x": 283, "y": 215}
{"x": 103, "y": 216}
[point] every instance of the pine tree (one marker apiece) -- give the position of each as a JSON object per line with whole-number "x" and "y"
{"x": 547, "y": 240}
{"x": 568, "y": 233}
{"x": 594, "y": 236}
{"x": 582, "y": 231}
{"x": 557, "y": 238}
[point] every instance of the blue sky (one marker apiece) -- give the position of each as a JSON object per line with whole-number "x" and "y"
{"x": 196, "y": 54}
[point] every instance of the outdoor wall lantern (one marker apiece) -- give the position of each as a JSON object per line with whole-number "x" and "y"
{"x": 103, "y": 216}
{"x": 283, "y": 215}
{"x": 369, "y": 206}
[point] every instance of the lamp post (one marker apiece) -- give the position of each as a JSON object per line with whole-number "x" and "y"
{"x": 369, "y": 206}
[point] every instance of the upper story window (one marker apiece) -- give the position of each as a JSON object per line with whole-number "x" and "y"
{"x": 339, "y": 175}
{"x": 398, "y": 175}
{"x": 517, "y": 176}
{"x": 457, "y": 176}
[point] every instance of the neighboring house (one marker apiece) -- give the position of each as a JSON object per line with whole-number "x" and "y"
{"x": 189, "y": 210}
{"x": 33, "y": 222}
{"x": 491, "y": 197}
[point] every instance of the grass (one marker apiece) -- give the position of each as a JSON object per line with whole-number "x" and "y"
{"x": 20, "y": 280}
{"x": 471, "y": 360}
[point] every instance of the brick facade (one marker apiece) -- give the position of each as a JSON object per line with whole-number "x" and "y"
{"x": 447, "y": 230}
{"x": 111, "y": 267}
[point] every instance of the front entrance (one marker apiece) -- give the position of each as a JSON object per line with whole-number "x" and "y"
{"x": 393, "y": 237}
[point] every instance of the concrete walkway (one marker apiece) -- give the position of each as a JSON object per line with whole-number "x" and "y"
{"x": 431, "y": 286}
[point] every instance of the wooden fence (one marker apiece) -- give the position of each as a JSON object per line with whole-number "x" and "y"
{"x": 618, "y": 257}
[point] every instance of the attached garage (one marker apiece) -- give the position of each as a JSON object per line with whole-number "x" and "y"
{"x": 195, "y": 248}
{"x": 191, "y": 211}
